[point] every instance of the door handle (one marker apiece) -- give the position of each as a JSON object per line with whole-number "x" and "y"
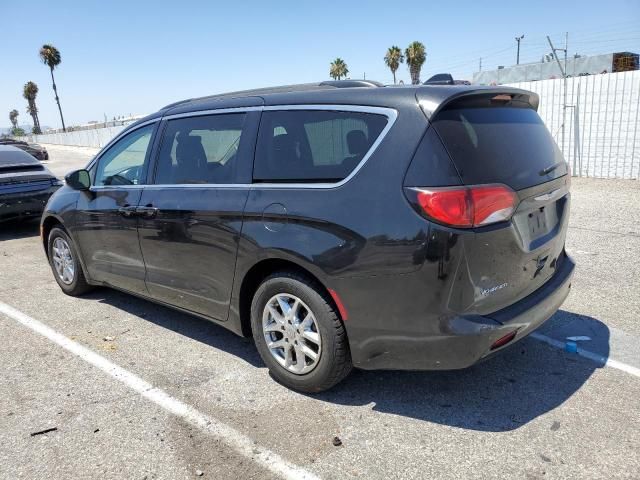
{"x": 146, "y": 212}
{"x": 127, "y": 211}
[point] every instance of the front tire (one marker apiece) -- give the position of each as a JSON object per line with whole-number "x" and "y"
{"x": 298, "y": 333}
{"x": 63, "y": 258}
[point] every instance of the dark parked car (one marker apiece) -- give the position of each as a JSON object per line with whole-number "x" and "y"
{"x": 37, "y": 151}
{"x": 34, "y": 149}
{"x": 25, "y": 184}
{"x": 341, "y": 224}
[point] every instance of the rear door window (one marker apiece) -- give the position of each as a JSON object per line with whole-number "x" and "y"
{"x": 509, "y": 145}
{"x": 313, "y": 145}
{"x": 200, "y": 150}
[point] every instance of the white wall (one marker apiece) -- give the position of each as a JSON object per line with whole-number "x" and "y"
{"x": 601, "y": 137}
{"x": 97, "y": 137}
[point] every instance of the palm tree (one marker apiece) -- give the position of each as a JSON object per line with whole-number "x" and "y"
{"x": 50, "y": 56}
{"x": 393, "y": 59}
{"x": 416, "y": 55}
{"x": 338, "y": 69}
{"x": 30, "y": 92}
{"x": 13, "y": 116}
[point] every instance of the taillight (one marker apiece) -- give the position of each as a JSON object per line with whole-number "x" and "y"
{"x": 467, "y": 207}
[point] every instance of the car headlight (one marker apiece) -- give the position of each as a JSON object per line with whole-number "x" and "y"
{"x": 56, "y": 182}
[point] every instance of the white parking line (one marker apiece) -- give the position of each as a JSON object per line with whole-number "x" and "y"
{"x": 606, "y": 361}
{"x": 239, "y": 442}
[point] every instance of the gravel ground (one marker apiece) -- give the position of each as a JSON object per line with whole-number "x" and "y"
{"x": 532, "y": 412}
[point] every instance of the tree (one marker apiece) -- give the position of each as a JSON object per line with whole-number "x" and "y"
{"x": 17, "y": 132}
{"x": 393, "y": 59}
{"x": 416, "y": 56}
{"x": 29, "y": 92}
{"x": 13, "y": 116}
{"x": 338, "y": 69}
{"x": 50, "y": 56}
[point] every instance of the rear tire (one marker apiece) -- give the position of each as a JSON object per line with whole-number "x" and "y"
{"x": 313, "y": 335}
{"x": 63, "y": 258}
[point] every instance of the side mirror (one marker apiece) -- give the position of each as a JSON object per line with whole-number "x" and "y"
{"x": 79, "y": 180}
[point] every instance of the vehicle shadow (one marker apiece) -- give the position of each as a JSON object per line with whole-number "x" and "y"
{"x": 17, "y": 229}
{"x": 189, "y": 326}
{"x": 500, "y": 394}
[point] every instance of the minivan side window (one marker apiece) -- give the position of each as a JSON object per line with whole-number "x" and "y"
{"x": 123, "y": 163}
{"x": 313, "y": 145}
{"x": 200, "y": 150}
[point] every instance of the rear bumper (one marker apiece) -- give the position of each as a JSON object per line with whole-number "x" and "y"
{"x": 24, "y": 204}
{"x": 465, "y": 340}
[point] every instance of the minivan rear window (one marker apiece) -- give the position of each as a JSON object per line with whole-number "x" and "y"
{"x": 313, "y": 145}
{"x": 509, "y": 145}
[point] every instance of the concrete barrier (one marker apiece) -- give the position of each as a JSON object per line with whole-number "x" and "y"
{"x": 96, "y": 137}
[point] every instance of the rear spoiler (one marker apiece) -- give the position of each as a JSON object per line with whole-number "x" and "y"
{"x": 433, "y": 99}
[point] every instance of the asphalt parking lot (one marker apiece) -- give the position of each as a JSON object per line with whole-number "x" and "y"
{"x": 135, "y": 390}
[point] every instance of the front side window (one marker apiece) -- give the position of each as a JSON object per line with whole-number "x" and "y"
{"x": 313, "y": 145}
{"x": 123, "y": 163}
{"x": 200, "y": 150}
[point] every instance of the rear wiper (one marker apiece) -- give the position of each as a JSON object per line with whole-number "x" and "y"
{"x": 550, "y": 168}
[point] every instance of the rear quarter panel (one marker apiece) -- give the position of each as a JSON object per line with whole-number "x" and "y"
{"x": 361, "y": 229}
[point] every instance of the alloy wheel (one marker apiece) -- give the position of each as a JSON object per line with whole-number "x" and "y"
{"x": 63, "y": 261}
{"x": 291, "y": 333}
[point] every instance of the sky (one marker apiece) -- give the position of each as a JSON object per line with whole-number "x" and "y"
{"x": 133, "y": 57}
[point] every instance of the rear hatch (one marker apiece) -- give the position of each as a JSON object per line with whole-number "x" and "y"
{"x": 18, "y": 177}
{"x": 500, "y": 148}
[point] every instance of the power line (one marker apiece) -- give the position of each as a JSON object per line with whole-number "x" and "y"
{"x": 586, "y": 41}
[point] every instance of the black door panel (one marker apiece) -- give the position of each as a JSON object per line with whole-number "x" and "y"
{"x": 108, "y": 238}
{"x": 106, "y": 227}
{"x": 190, "y": 245}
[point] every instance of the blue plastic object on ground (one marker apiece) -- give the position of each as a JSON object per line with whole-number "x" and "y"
{"x": 571, "y": 347}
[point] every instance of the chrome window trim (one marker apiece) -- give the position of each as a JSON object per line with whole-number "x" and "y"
{"x": 162, "y": 186}
{"x": 116, "y": 138}
{"x": 390, "y": 113}
{"x": 97, "y": 188}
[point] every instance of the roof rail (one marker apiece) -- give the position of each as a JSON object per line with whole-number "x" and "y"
{"x": 351, "y": 83}
{"x": 283, "y": 89}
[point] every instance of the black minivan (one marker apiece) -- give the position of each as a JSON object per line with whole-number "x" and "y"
{"x": 340, "y": 224}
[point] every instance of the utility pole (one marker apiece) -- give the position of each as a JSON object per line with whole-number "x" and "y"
{"x": 518, "y": 55}
{"x": 555, "y": 55}
{"x": 480, "y": 66}
{"x": 566, "y": 49}
{"x": 564, "y": 77}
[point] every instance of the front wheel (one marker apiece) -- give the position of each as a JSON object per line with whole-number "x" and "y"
{"x": 299, "y": 334}
{"x": 66, "y": 267}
